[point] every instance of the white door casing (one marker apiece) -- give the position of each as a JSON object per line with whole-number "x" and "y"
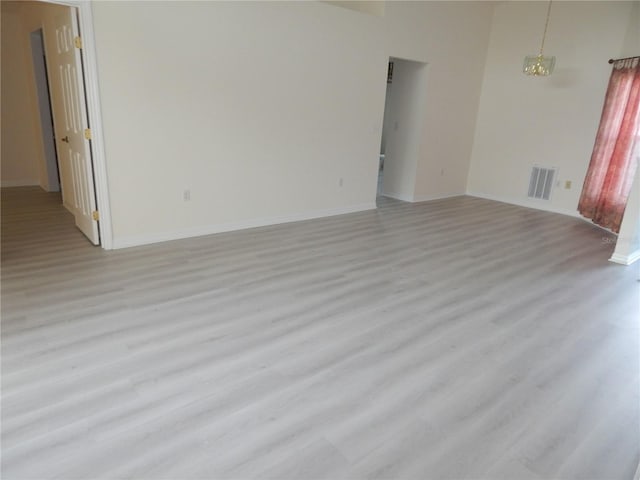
{"x": 70, "y": 121}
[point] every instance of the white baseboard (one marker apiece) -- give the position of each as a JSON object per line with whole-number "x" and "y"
{"x": 420, "y": 198}
{"x": 19, "y": 183}
{"x": 430, "y": 198}
{"x": 397, "y": 196}
{"x": 625, "y": 259}
{"x": 528, "y": 204}
{"x": 146, "y": 239}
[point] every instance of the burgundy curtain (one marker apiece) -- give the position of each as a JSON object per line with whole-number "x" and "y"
{"x": 613, "y": 162}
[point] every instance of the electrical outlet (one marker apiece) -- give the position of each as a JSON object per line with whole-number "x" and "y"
{"x": 567, "y": 184}
{"x": 340, "y": 182}
{"x": 186, "y": 195}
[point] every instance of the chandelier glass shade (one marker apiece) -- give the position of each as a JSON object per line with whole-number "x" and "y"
{"x": 540, "y": 65}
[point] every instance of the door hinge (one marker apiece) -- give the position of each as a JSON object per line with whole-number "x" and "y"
{"x": 77, "y": 42}
{"x": 95, "y": 215}
{"x": 87, "y": 133}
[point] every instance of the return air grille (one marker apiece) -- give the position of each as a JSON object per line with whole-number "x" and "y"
{"x": 541, "y": 182}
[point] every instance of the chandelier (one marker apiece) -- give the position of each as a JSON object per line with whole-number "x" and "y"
{"x": 539, "y": 65}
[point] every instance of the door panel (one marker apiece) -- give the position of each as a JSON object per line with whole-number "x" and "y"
{"x": 70, "y": 121}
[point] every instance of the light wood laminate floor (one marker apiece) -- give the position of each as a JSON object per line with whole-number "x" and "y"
{"x": 452, "y": 339}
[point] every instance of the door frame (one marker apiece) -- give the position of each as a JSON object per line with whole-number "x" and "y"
{"x": 403, "y": 117}
{"x": 94, "y": 112}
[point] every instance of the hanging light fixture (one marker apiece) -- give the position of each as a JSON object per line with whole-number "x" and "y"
{"x": 539, "y": 65}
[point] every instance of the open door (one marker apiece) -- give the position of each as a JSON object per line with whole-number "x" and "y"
{"x": 71, "y": 123}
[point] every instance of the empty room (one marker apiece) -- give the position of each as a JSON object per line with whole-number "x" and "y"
{"x": 320, "y": 240}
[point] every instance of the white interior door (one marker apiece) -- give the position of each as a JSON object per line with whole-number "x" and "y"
{"x": 70, "y": 123}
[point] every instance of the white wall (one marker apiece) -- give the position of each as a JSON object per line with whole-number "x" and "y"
{"x": 19, "y": 127}
{"x": 628, "y": 245}
{"x": 548, "y": 120}
{"x": 627, "y": 248}
{"x": 452, "y": 38}
{"x": 261, "y": 108}
{"x": 631, "y": 46}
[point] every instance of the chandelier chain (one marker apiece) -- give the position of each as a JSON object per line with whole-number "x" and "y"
{"x": 544, "y": 35}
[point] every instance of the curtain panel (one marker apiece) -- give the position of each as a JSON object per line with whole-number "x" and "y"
{"x": 614, "y": 158}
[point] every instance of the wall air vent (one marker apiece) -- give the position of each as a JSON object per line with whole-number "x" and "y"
{"x": 541, "y": 182}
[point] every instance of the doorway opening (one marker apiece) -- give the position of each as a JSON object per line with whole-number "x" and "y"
{"x": 402, "y": 128}
{"x": 44, "y": 107}
{"x": 383, "y": 142}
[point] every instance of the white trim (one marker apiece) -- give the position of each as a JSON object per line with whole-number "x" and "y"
{"x": 625, "y": 260}
{"x": 20, "y": 183}
{"x": 92, "y": 91}
{"x": 420, "y": 198}
{"x": 529, "y": 204}
{"x": 430, "y": 198}
{"x": 397, "y": 196}
{"x": 145, "y": 239}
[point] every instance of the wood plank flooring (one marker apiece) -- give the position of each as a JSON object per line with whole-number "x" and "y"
{"x": 452, "y": 339}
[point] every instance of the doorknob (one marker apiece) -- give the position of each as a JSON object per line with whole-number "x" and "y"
{"x": 65, "y": 139}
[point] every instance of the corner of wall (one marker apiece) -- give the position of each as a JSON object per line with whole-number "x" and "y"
{"x": 517, "y": 111}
